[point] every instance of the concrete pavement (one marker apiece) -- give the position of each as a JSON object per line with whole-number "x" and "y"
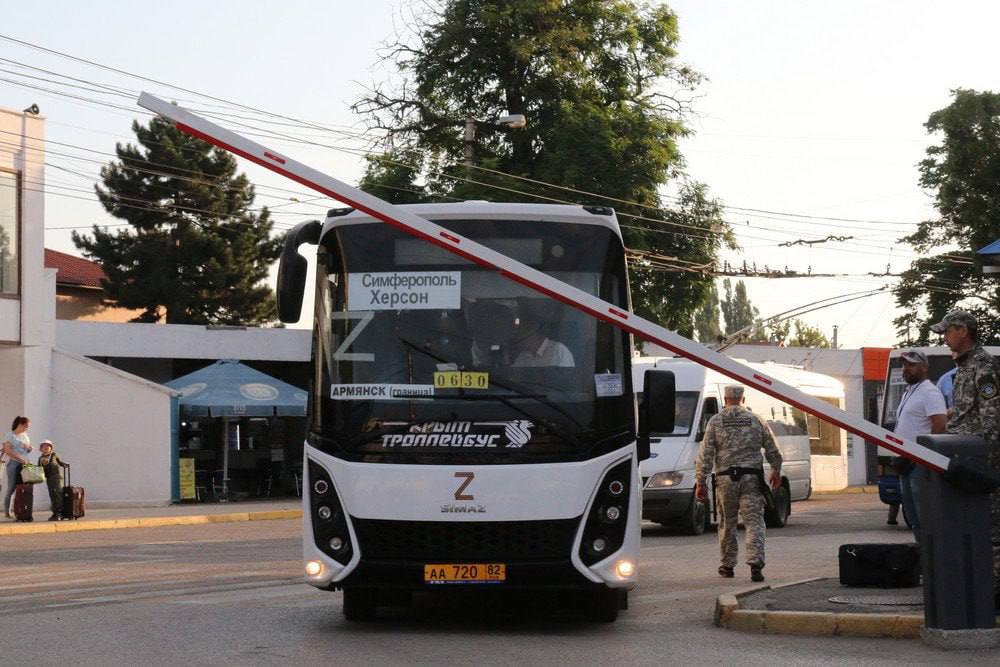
{"x": 184, "y": 514}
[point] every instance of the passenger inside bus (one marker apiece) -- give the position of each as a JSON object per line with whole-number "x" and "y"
{"x": 534, "y": 347}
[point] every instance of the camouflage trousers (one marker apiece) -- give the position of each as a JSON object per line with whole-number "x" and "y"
{"x": 735, "y": 500}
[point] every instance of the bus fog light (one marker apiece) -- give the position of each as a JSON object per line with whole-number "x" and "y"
{"x": 599, "y": 545}
{"x": 613, "y": 513}
{"x": 324, "y": 512}
{"x": 625, "y": 569}
{"x": 314, "y": 568}
{"x": 320, "y": 486}
{"x": 616, "y": 488}
{"x": 336, "y": 543}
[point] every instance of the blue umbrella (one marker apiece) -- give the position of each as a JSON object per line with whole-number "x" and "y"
{"x": 228, "y": 388}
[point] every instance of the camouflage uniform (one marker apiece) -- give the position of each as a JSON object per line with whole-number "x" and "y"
{"x": 976, "y": 411}
{"x": 733, "y": 439}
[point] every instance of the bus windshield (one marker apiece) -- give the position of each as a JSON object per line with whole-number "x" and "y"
{"x": 424, "y": 356}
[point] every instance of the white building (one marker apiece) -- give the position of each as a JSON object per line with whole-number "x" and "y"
{"x": 113, "y": 427}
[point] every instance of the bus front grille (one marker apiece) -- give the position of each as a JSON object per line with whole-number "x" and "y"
{"x": 465, "y": 541}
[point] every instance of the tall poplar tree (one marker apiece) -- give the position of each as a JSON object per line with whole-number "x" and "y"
{"x": 605, "y": 98}
{"x": 193, "y": 252}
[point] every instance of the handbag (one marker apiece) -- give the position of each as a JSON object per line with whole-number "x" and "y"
{"x": 32, "y": 474}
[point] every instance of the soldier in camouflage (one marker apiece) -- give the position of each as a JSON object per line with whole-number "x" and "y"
{"x": 731, "y": 447}
{"x": 975, "y": 403}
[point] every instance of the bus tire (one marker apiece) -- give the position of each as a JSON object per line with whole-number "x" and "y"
{"x": 778, "y": 517}
{"x": 602, "y": 606}
{"x": 360, "y": 604}
{"x": 696, "y": 517}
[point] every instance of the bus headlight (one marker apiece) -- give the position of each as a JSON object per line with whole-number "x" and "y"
{"x": 314, "y": 568}
{"x": 662, "y": 480}
{"x": 604, "y": 532}
{"x": 330, "y": 530}
{"x": 625, "y": 569}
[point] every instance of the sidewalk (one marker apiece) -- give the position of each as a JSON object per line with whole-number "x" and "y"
{"x": 170, "y": 515}
{"x": 872, "y": 488}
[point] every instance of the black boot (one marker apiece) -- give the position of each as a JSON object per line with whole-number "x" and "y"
{"x": 756, "y": 573}
{"x": 726, "y": 572}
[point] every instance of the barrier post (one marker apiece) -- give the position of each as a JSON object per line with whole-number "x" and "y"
{"x": 956, "y": 552}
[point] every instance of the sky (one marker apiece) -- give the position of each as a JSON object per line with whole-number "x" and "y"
{"x": 808, "y": 109}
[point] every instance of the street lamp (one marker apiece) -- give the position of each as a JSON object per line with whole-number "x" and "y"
{"x": 513, "y": 121}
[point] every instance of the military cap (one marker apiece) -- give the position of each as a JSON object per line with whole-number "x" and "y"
{"x": 733, "y": 391}
{"x": 956, "y": 318}
{"x": 914, "y": 357}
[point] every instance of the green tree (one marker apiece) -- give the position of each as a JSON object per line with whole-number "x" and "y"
{"x": 739, "y": 314}
{"x": 963, "y": 171}
{"x": 808, "y": 336}
{"x": 195, "y": 252}
{"x": 590, "y": 77}
{"x": 706, "y": 318}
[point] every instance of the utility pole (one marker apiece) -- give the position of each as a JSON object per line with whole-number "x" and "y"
{"x": 470, "y": 141}
{"x": 835, "y": 336}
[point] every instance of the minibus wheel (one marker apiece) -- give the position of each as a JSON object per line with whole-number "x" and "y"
{"x": 696, "y": 518}
{"x": 778, "y": 517}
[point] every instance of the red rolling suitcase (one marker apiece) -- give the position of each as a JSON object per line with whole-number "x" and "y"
{"x": 73, "y": 499}
{"x": 24, "y": 500}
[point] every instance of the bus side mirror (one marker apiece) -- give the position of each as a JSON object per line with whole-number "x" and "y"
{"x": 292, "y": 270}
{"x": 656, "y": 412}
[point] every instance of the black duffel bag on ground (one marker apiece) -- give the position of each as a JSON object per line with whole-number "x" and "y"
{"x": 884, "y": 565}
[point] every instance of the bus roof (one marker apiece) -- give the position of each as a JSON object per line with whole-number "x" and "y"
{"x": 484, "y": 210}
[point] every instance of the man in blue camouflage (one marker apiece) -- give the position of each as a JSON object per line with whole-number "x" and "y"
{"x": 732, "y": 448}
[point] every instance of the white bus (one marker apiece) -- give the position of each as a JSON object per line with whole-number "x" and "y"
{"x": 668, "y": 475}
{"x": 464, "y": 429}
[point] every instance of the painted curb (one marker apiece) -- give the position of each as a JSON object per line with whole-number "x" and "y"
{"x": 729, "y": 616}
{"x": 144, "y": 522}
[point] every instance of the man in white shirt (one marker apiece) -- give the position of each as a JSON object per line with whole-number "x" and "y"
{"x": 534, "y": 347}
{"x": 921, "y": 411}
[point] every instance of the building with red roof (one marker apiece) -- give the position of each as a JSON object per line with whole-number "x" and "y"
{"x": 80, "y": 292}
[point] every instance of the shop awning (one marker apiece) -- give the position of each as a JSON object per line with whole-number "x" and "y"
{"x": 228, "y": 388}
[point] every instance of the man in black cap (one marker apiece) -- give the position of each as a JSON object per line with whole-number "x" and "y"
{"x": 921, "y": 410}
{"x": 975, "y": 408}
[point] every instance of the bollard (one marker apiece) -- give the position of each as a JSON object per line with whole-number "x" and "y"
{"x": 956, "y": 553}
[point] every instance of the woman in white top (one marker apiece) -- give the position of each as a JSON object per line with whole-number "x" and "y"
{"x": 16, "y": 446}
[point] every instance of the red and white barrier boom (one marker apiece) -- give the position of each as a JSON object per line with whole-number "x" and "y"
{"x": 536, "y": 280}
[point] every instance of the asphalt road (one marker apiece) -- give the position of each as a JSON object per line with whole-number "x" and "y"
{"x": 231, "y": 594}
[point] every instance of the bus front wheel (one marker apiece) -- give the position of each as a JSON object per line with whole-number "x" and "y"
{"x": 603, "y": 605}
{"x": 360, "y": 604}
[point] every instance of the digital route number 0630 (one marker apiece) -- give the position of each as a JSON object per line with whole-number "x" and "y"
{"x": 461, "y": 380}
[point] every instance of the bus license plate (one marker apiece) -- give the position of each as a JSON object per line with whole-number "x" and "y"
{"x": 465, "y": 573}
